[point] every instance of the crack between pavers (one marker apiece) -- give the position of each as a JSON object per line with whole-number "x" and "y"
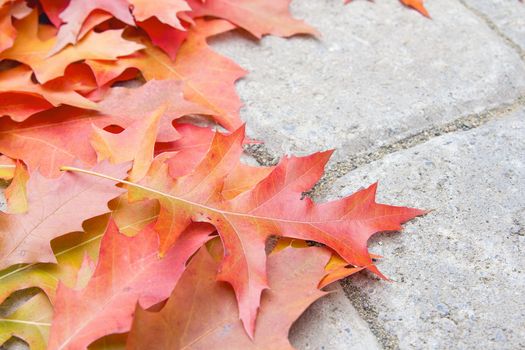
{"x": 338, "y": 169}
{"x": 370, "y": 315}
{"x": 495, "y": 29}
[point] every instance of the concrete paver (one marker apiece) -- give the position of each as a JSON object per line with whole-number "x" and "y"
{"x": 459, "y": 272}
{"x": 508, "y": 16}
{"x": 379, "y": 72}
{"x": 332, "y": 323}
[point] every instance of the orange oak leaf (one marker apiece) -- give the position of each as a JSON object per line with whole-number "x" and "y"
{"x": 18, "y": 81}
{"x": 137, "y": 103}
{"x": 53, "y": 8}
{"x": 28, "y": 48}
{"x": 129, "y": 270}
{"x": 242, "y": 178}
{"x": 208, "y": 78}
{"x": 337, "y": 269}
{"x": 192, "y": 146}
{"x": 19, "y": 106}
{"x": 56, "y": 207}
{"x": 272, "y": 207}
{"x": 77, "y": 77}
{"x": 136, "y": 143}
{"x": 7, "y": 31}
{"x": 256, "y": 16}
{"x": 169, "y": 39}
{"x": 202, "y": 313}
{"x": 159, "y": 20}
{"x": 44, "y": 141}
{"x": 16, "y": 192}
{"x": 417, "y": 5}
{"x": 188, "y": 150}
{"x": 94, "y": 19}
{"x": 49, "y": 132}
{"x": 164, "y": 10}
{"x": 75, "y": 14}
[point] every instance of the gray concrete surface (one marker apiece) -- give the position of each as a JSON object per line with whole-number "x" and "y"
{"x": 330, "y": 323}
{"x": 508, "y": 17}
{"x": 459, "y": 272}
{"x": 379, "y": 73}
{"x": 3, "y": 204}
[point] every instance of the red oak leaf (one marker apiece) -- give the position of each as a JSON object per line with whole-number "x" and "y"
{"x": 256, "y": 16}
{"x": 169, "y": 39}
{"x": 45, "y": 141}
{"x": 30, "y": 49}
{"x": 7, "y": 31}
{"x": 202, "y": 313}
{"x": 56, "y": 207}
{"x": 208, "y": 78}
{"x": 164, "y": 10}
{"x": 53, "y": 8}
{"x": 17, "y": 81}
{"x": 129, "y": 270}
{"x": 272, "y": 207}
{"x": 137, "y": 103}
{"x": 75, "y": 14}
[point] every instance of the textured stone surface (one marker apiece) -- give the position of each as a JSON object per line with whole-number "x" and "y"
{"x": 380, "y": 72}
{"x": 507, "y": 15}
{"x": 332, "y": 323}
{"x": 3, "y": 204}
{"x": 459, "y": 272}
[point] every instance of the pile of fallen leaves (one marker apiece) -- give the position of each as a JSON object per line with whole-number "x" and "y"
{"x": 130, "y": 221}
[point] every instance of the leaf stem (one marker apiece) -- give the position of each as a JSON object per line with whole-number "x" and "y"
{"x": 125, "y": 182}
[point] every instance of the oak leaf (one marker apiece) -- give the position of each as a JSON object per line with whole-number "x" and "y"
{"x": 31, "y": 322}
{"x": 136, "y": 143}
{"x": 135, "y": 104}
{"x": 75, "y": 14}
{"x": 169, "y": 39}
{"x": 417, "y": 5}
{"x": 202, "y": 313}
{"x": 256, "y": 16}
{"x": 187, "y": 151}
{"x": 16, "y": 192}
{"x": 18, "y": 81}
{"x": 53, "y": 8}
{"x": 272, "y": 207}
{"x": 29, "y": 49}
{"x": 44, "y": 141}
{"x": 47, "y": 133}
{"x": 164, "y": 10}
{"x": 54, "y": 209}
{"x": 208, "y": 78}
{"x": 129, "y": 270}
{"x": 7, "y": 31}
{"x": 70, "y": 251}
